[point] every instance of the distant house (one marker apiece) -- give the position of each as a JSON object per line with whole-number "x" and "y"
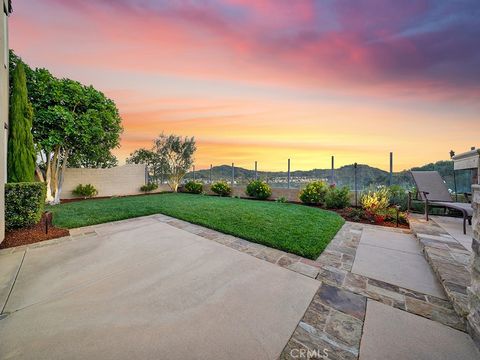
{"x": 7, "y": 9}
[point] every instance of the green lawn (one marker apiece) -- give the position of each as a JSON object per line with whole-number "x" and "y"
{"x": 297, "y": 229}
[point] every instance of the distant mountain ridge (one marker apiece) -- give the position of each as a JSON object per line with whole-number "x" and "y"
{"x": 366, "y": 175}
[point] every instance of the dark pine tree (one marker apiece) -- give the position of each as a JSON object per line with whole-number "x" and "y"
{"x": 21, "y": 150}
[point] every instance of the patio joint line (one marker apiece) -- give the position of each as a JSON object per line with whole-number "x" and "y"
{"x": 396, "y": 250}
{"x": 14, "y": 282}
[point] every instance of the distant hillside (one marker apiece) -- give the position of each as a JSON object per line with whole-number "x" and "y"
{"x": 366, "y": 175}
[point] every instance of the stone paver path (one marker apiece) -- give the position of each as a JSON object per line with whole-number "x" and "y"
{"x": 336, "y": 319}
{"x": 448, "y": 257}
{"x": 397, "y": 259}
{"x": 454, "y": 227}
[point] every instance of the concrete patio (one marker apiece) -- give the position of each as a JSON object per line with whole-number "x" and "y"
{"x": 145, "y": 289}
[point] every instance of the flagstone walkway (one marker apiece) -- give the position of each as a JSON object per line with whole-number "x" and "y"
{"x": 338, "y": 318}
{"x": 448, "y": 256}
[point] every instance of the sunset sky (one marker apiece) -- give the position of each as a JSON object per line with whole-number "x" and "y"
{"x": 271, "y": 80}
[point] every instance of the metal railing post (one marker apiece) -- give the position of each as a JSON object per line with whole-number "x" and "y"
{"x": 332, "y": 180}
{"x": 211, "y": 173}
{"x": 193, "y": 172}
{"x": 455, "y": 186}
{"x": 355, "y": 183}
{"x": 233, "y": 174}
{"x": 390, "y": 180}
{"x": 288, "y": 175}
{"x": 255, "y": 170}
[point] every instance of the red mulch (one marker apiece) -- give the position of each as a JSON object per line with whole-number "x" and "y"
{"x": 32, "y": 234}
{"x": 344, "y": 213}
{"x": 65, "y": 201}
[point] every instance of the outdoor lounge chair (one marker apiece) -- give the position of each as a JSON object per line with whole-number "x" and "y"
{"x": 433, "y": 192}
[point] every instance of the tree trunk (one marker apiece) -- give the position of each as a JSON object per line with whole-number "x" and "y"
{"x": 54, "y": 175}
{"x": 56, "y": 164}
{"x": 48, "y": 178}
{"x": 173, "y": 184}
{"x": 39, "y": 174}
{"x": 61, "y": 172}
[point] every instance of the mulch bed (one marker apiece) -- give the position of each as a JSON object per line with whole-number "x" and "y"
{"x": 66, "y": 201}
{"x": 345, "y": 214}
{"x": 32, "y": 234}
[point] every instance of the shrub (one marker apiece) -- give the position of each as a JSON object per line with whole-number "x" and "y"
{"x": 24, "y": 204}
{"x": 398, "y": 196}
{"x": 281, "y": 199}
{"x": 221, "y": 188}
{"x": 85, "y": 191}
{"x": 391, "y": 215}
{"x": 355, "y": 214}
{"x": 337, "y": 198}
{"x": 314, "y": 193}
{"x": 375, "y": 203}
{"x": 148, "y": 187}
{"x": 259, "y": 189}
{"x": 194, "y": 187}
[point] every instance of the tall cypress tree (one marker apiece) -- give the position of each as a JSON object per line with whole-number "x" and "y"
{"x": 21, "y": 150}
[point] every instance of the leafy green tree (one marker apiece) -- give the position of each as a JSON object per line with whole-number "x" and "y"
{"x": 21, "y": 150}
{"x": 170, "y": 155}
{"x": 142, "y": 156}
{"x": 177, "y": 154}
{"x": 73, "y": 124}
{"x": 152, "y": 160}
{"x": 103, "y": 159}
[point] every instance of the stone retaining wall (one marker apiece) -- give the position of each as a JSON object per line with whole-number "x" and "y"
{"x": 473, "y": 317}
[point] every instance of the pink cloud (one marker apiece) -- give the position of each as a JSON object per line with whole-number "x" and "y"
{"x": 271, "y": 42}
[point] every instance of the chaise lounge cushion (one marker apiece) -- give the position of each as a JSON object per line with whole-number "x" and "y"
{"x": 455, "y": 205}
{"x": 432, "y": 183}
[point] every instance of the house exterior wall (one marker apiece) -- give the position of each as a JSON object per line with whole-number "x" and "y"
{"x": 3, "y": 111}
{"x": 474, "y": 289}
{"x": 116, "y": 181}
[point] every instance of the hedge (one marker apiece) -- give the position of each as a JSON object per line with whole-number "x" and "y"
{"x": 24, "y": 204}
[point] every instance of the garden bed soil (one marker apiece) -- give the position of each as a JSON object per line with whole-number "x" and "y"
{"x": 345, "y": 214}
{"x": 66, "y": 201}
{"x": 32, "y": 234}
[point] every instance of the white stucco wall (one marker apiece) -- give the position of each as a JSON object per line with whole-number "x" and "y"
{"x": 116, "y": 181}
{"x": 3, "y": 112}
